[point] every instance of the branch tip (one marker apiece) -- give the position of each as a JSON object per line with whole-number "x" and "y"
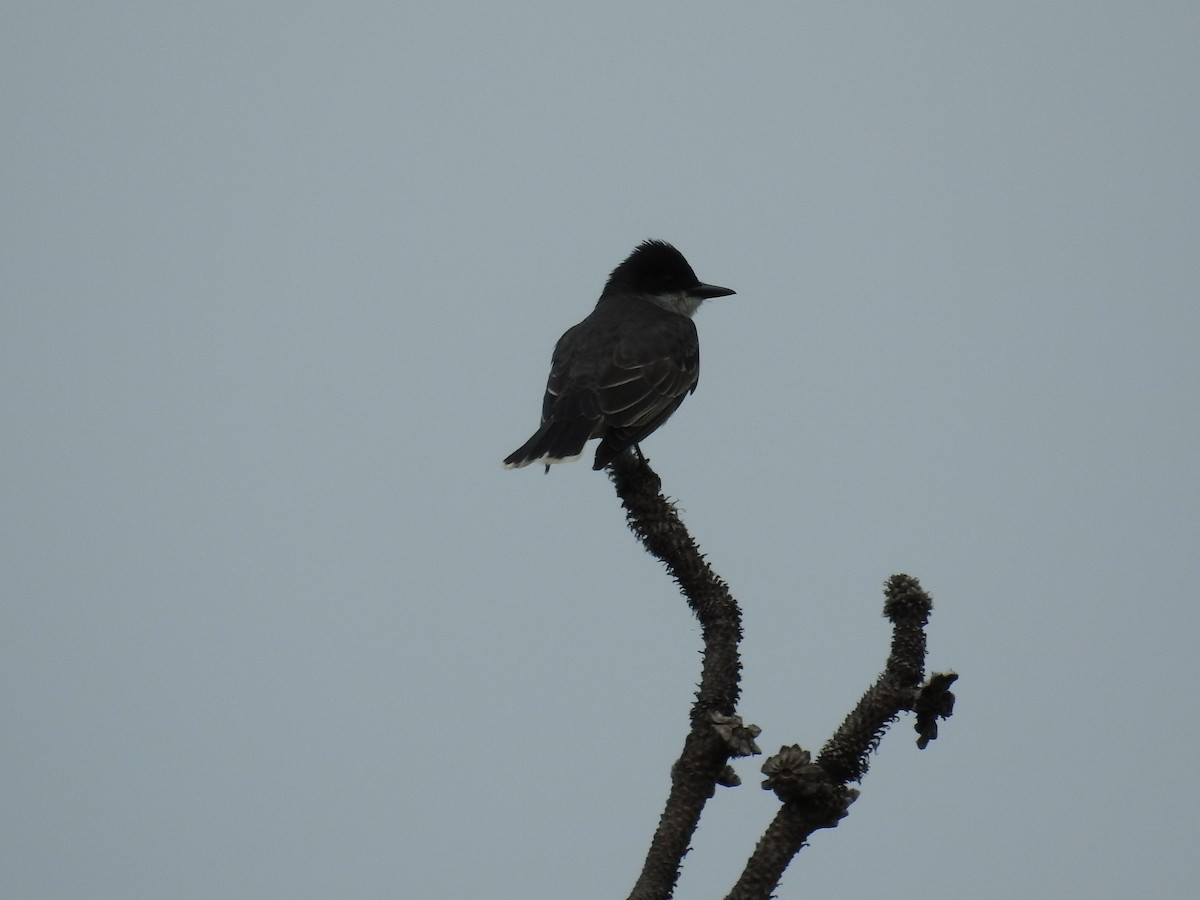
{"x": 905, "y": 600}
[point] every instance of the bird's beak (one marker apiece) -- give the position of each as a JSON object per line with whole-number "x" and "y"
{"x": 708, "y": 291}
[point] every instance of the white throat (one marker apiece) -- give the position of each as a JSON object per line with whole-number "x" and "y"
{"x": 681, "y": 303}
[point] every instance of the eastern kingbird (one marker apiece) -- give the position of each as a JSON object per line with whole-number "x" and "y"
{"x": 623, "y": 370}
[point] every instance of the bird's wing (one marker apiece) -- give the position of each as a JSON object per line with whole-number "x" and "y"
{"x": 570, "y": 392}
{"x": 649, "y": 375}
{"x": 624, "y": 374}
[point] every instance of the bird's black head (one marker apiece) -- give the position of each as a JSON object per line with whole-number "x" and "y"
{"x": 657, "y": 268}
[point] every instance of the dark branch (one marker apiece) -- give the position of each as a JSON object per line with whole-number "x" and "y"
{"x": 716, "y": 734}
{"x": 814, "y": 794}
{"x": 846, "y": 755}
{"x": 817, "y": 794}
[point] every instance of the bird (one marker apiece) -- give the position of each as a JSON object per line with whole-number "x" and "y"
{"x": 621, "y": 372}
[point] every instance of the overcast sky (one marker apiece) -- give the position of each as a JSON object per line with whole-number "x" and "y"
{"x": 279, "y": 288}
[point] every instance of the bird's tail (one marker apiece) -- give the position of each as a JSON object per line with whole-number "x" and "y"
{"x": 559, "y": 440}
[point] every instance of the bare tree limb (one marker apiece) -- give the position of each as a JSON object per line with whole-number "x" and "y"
{"x": 814, "y": 794}
{"x": 817, "y": 794}
{"x": 716, "y": 733}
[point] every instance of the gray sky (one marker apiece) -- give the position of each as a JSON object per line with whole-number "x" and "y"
{"x": 280, "y": 285}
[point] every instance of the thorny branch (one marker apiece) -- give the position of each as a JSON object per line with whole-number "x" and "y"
{"x": 814, "y": 794}
{"x": 716, "y": 734}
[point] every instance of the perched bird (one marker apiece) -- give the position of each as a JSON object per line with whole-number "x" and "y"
{"x": 622, "y": 371}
